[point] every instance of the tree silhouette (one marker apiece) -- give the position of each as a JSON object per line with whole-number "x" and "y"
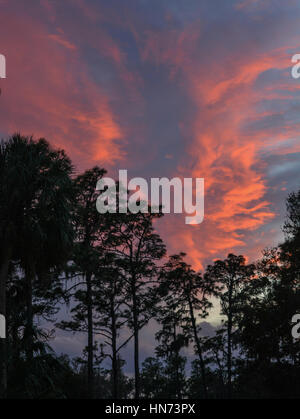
{"x": 112, "y": 271}
{"x": 109, "y": 305}
{"x": 231, "y": 273}
{"x": 138, "y": 249}
{"x": 189, "y": 293}
{"x": 35, "y": 218}
{"x": 84, "y": 263}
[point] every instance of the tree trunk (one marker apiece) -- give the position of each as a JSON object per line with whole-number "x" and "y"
{"x": 199, "y": 350}
{"x": 229, "y": 360}
{"x": 178, "y": 386}
{"x": 114, "y": 351}
{"x": 229, "y": 345}
{"x": 3, "y": 345}
{"x": 136, "y": 344}
{"x": 90, "y": 335}
{"x": 28, "y": 333}
{"x": 221, "y": 374}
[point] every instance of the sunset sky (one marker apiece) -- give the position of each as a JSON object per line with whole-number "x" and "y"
{"x": 166, "y": 88}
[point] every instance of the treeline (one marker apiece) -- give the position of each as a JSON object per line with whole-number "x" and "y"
{"x": 114, "y": 273}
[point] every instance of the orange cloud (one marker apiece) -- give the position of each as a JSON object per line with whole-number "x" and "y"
{"x": 219, "y": 145}
{"x": 48, "y": 93}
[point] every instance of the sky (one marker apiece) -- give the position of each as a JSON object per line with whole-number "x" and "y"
{"x": 166, "y": 88}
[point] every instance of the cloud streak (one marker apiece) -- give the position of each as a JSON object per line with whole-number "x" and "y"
{"x": 171, "y": 90}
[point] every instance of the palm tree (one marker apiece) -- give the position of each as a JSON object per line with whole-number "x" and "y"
{"x": 35, "y": 226}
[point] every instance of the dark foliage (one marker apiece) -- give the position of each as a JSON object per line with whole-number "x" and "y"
{"x": 113, "y": 273}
